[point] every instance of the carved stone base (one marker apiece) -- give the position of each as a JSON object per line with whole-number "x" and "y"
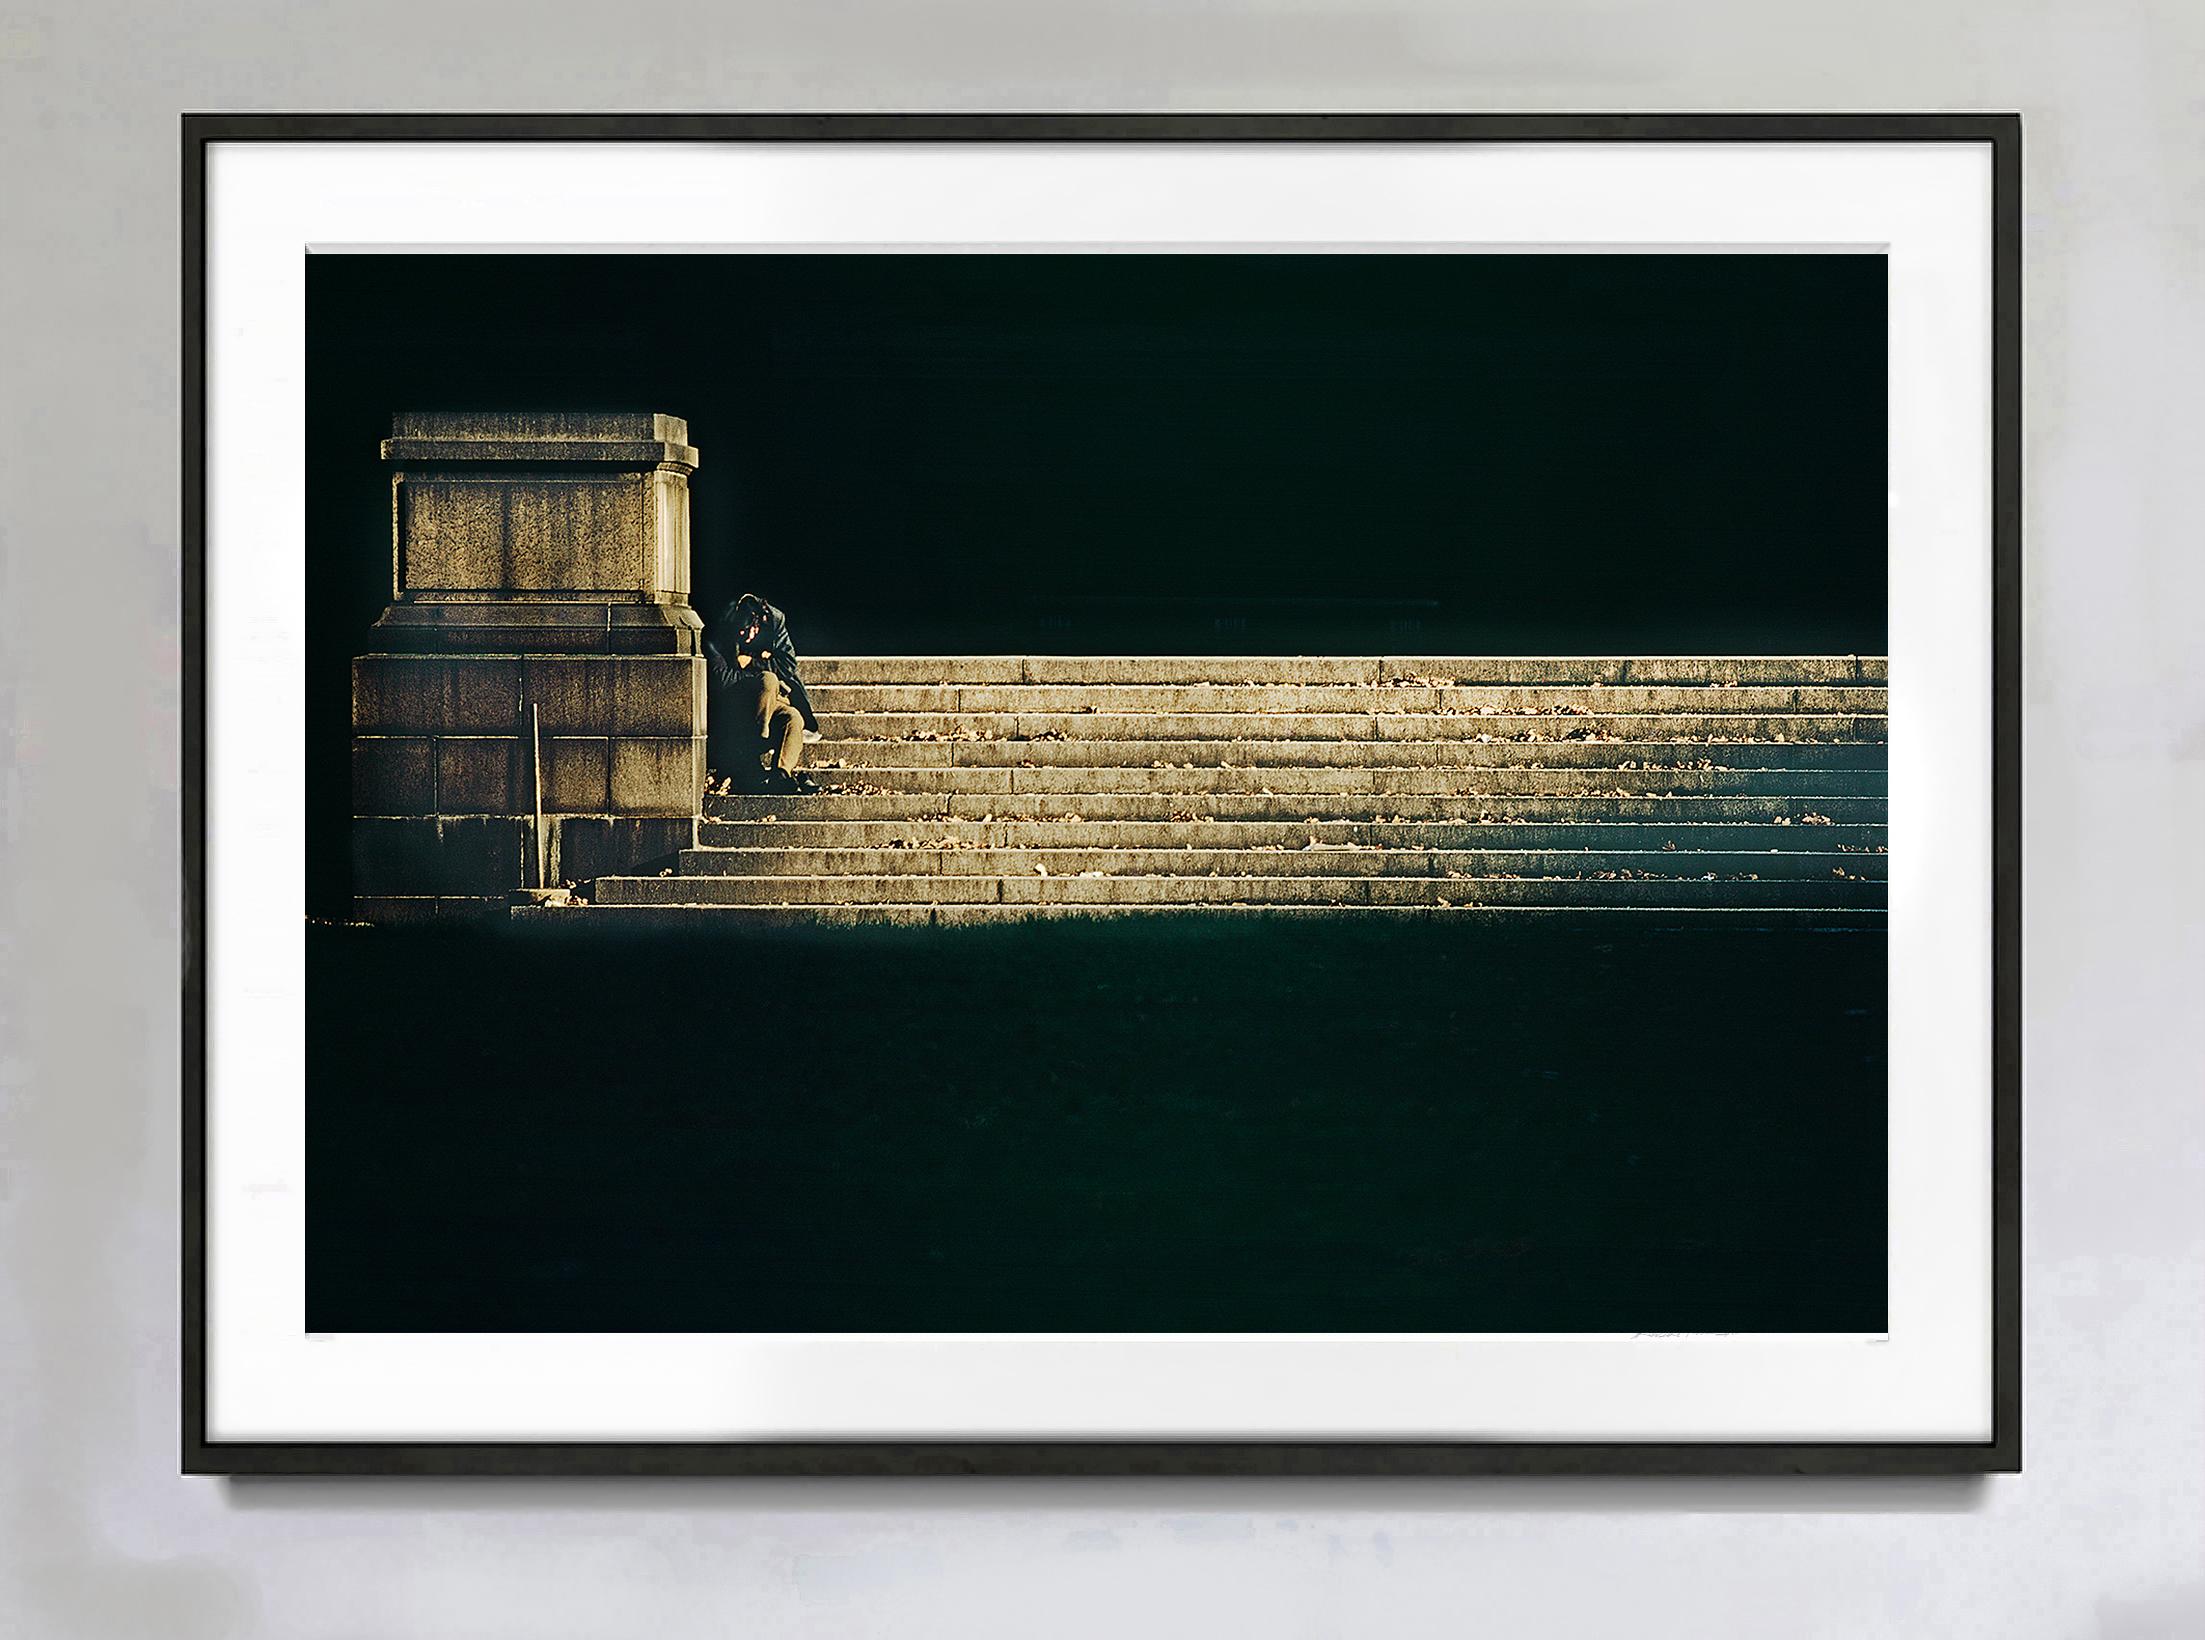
{"x": 539, "y": 657}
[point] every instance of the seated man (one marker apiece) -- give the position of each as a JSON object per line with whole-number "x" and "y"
{"x": 757, "y": 697}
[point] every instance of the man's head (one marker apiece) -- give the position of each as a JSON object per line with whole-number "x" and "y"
{"x": 747, "y": 614}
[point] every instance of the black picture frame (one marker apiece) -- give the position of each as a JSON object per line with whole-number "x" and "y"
{"x": 2000, "y": 1453}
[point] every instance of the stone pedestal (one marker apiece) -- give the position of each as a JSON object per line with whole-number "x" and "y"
{"x": 539, "y": 648}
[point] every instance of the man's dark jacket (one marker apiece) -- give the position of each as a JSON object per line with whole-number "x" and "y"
{"x": 723, "y": 639}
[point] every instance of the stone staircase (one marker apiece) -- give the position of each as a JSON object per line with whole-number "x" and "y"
{"x": 986, "y": 788}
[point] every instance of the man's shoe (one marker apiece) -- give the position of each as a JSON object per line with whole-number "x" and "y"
{"x": 803, "y": 783}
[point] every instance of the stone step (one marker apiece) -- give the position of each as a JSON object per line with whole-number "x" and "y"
{"x": 1598, "y": 836}
{"x": 976, "y": 789}
{"x": 1339, "y": 754}
{"x": 1365, "y": 779}
{"x": 931, "y": 889}
{"x": 1364, "y": 669}
{"x": 762, "y": 918}
{"x": 1296, "y": 806}
{"x": 1275, "y": 861}
{"x": 1709, "y": 727}
{"x": 1486, "y": 699}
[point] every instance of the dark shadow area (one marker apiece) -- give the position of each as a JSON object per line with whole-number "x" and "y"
{"x": 1159, "y": 1125}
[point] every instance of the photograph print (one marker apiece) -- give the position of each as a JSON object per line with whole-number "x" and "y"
{"x": 1000, "y": 791}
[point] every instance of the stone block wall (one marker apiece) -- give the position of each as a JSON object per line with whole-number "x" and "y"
{"x": 539, "y": 647}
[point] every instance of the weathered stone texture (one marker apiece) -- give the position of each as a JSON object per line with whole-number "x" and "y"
{"x": 616, "y": 438}
{"x": 393, "y": 775}
{"x": 483, "y": 859}
{"x": 661, "y": 775}
{"x": 491, "y": 537}
{"x": 453, "y": 734}
{"x": 493, "y": 694}
{"x": 985, "y": 789}
{"x": 593, "y": 847}
{"x": 577, "y": 774}
{"x": 481, "y": 775}
{"x": 577, "y": 626}
{"x": 439, "y": 854}
{"x": 539, "y": 644}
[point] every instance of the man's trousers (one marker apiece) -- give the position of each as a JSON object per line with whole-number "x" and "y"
{"x": 761, "y": 716}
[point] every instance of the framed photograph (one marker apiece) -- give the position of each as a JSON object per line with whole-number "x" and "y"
{"x": 1167, "y": 794}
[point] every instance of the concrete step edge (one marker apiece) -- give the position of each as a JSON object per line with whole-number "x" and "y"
{"x": 1343, "y": 891}
{"x": 1259, "y": 833}
{"x": 1337, "y": 782}
{"x": 1331, "y": 699}
{"x": 1035, "y": 668}
{"x": 1312, "y": 808}
{"x": 1831, "y": 918}
{"x": 1403, "y": 754}
{"x": 1278, "y": 860}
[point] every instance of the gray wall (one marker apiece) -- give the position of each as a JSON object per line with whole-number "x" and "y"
{"x": 2105, "y": 1534}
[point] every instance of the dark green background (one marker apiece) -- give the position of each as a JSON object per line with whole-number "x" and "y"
{"x": 1169, "y": 1125}
{"x": 1598, "y": 452}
